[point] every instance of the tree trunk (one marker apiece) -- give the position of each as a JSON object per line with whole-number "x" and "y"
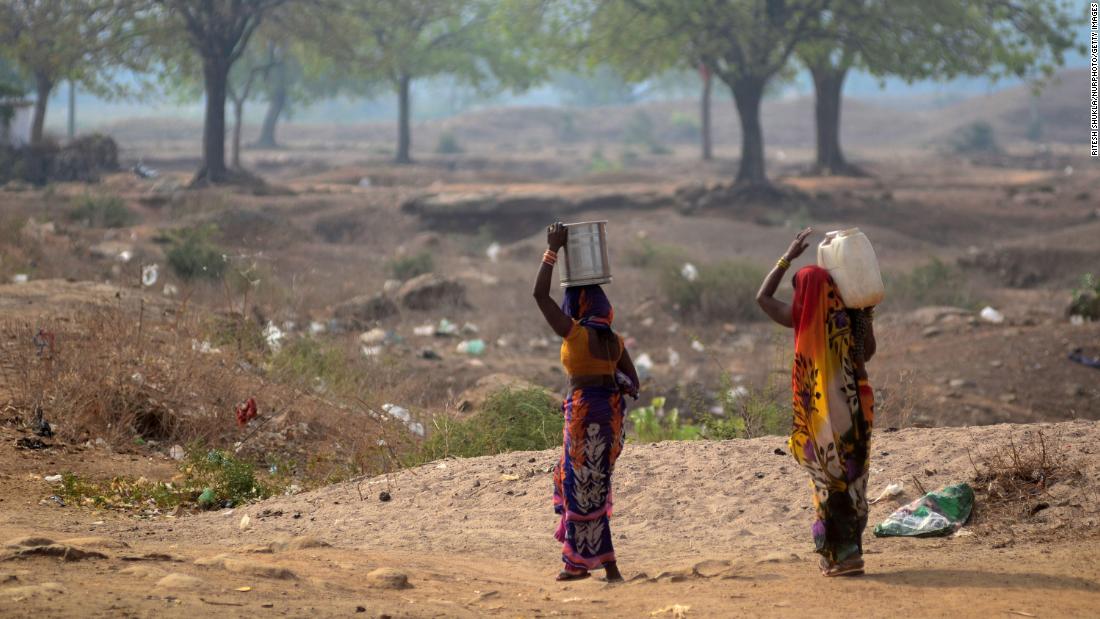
{"x": 275, "y": 105}
{"x": 704, "y": 113}
{"x": 404, "y": 134}
{"x": 215, "y": 77}
{"x": 43, "y": 85}
{"x": 828, "y": 85}
{"x": 238, "y": 117}
{"x": 748, "y": 92}
{"x": 72, "y": 110}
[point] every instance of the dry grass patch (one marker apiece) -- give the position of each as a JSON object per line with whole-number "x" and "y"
{"x": 1015, "y": 477}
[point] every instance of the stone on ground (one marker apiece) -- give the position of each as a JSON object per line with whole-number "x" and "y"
{"x": 387, "y": 578}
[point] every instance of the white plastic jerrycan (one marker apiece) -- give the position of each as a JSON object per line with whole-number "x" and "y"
{"x": 849, "y": 258}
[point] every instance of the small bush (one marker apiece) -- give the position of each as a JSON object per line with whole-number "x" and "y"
{"x": 193, "y": 255}
{"x": 1015, "y": 476}
{"x": 686, "y": 126}
{"x": 653, "y": 424}
{"x": 933, "y": 283}
{"x": 209, "y": 479}
{"x": 448, "y": 144}
{"x": 1086, "y": 298}
{"x": 977, "y": 137}
{"x": 509, "y": 420}
{"x": 408, "y": 267}
{"x": 310, "y": 364}
{"x": 102, "y": 212}
{"x": 722, "y": 291}
{"x": 640, "y": 131}
{"x": 599, "y": 164}
{"x": 648, "y": 254}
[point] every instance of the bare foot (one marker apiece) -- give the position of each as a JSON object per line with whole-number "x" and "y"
{"x": 612, "y": 571}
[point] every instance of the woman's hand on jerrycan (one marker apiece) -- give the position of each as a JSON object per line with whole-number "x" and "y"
{"x": 798, "y": 245}
{"x": 556, "y": 236}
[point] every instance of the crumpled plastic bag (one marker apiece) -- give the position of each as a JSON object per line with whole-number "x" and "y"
{"x": 935, "y": 514}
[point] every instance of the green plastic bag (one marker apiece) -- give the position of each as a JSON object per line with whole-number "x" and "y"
{"x": 935, "y": 514}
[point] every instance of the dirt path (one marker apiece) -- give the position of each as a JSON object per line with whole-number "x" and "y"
{"x": 718, "y": 528}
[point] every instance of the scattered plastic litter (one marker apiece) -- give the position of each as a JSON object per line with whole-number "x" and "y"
{"x": 539, "y": 343}
{"x": 989, "y": 314}
{"x": 207, "y": 498}
{"x": 673, "y": 358}
{"x": 446, "y": 327}
{"x": 644, "y": 365}
{"x": 736, "y": 393}
{"x": 403, "y": 415}
{"x": 53, "y": 479}
{"x": 149, "y": 275}
{"x": 935, "y": 514}
{"x": 493, "y": 252}
{"x": 246, "y": 522}
{"x": 1077, "y": 320}
{"x": 424, "y": 331}
{"x": 889, "y": 491}
{"x": 20, "y": 278}
{"x": 170, "y": 290}
{"x": 246, "y": 411}
{"x": 273, "y": 335}
{"x": 316, "y": 328}
{"x": 143, "y": 171}
{"x": 470, "y": 328}
{"x": 428, "y": 353}
{"x": 364, "y": 182}
{"x": 204, "y": 347}
{"x": 371, "y": 351}
{"x": 125, "y": 255}
{"x": 689, "y": 272}
{"x": 697, "y": 346}
{"x": 473, "y": 348}
{"x": 177, "y": 452}
{"x": 391, "y": 286}
{"x": 1068, "y": 171}
{"x": 373, "y": 337}
{"x": 1078, "y": 356}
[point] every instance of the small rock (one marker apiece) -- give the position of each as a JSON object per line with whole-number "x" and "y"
{"x": 779, "y": 452}
{"x": 1007, "y": 398}
{"x": 430, "y": 292}
{"x": 175, "y": 580}
{"x": 387, "y": 578}
{"x": 249, "y": 567}
{"x": 363, "y": 311}
{"x": 959, "y": 383}
{"x": 931, "y": 332}
{"x": 996, "y": 363}
{"x": 384, "y": 496}
{"x": 177, "y": 452}
{"x": 246, "y": 522}
{"x": 760, "y": 476}
{"x": 298, "y": 543}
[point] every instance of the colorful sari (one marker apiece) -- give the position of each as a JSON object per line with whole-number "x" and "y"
{"x": 833, "y": 414}
{"x": 593, "y": 432}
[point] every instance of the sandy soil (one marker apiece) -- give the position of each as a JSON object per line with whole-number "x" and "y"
{"x": 720, "y": 527}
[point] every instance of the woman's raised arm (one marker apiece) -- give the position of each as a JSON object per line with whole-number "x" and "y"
{"x": 777, "y": 310}
{"x": 556, "y": 236}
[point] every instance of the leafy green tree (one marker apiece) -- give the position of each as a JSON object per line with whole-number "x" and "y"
{"x": 478, "y": 42}
{"x": 744, "y": 43}
{"x": 217, "y": 34}
{"x": 928, "y": 39}
{"x": 54, "y": 40}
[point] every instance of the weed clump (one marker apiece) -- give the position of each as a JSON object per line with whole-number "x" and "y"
{"x": 408, "y": 267}
{"x": 102, "y": 212}
{"x": 932, "y": 283}
{"x": 653, "y": 424}
{"x": 192, "y": 254}
{"x": 509, "y": 420}
{"x": 1016, "y": 475}
{"x": 1086, "y": 298}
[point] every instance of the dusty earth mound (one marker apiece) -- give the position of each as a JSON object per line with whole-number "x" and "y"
{"x": 702, "y": 529}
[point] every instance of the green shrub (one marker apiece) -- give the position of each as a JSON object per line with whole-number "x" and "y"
{"x": 1086, "y": 299}
{"x": 977, "y": 137}
{"x": 312, "y": 364}
{"x": 750, "y": 413}
{"x": 448, "y": 144}
{"x": 723, "y": 291}
{"x": 640, "y": 131}
{"x": 510, "y": 420}
{"x": 210, "y": 479}
{"x": 408, "y": 267}
{"x": 599, "y": 164}
{"x": 653, "y": 424}
{"x": 932, "y": 283}
{"x": 686, "y": 126}
{"x": 648, "y": 254}
{"x": 193, "y": 255}
{"x": 102, "y": 212}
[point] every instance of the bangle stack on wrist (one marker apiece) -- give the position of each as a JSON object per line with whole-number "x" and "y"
{"x": 783, "y": 263}
{"x": 550, "y": 257}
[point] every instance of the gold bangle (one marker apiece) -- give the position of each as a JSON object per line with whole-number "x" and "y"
{"x": 783, "y": 263}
